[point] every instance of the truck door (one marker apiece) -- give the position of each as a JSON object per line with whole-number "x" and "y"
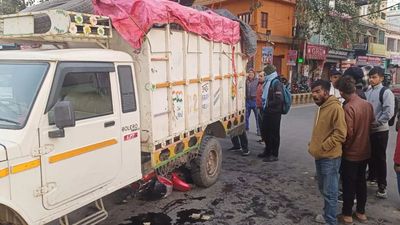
{"x": 88, "y": 157}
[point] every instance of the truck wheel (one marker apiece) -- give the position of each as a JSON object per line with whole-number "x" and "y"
{"x": 206, "y": 167}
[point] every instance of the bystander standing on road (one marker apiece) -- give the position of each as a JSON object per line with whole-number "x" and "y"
{"x": 357, "y": 74}
{"x": 383, "y": 110}
{"x": 328, "y": 135}
{"x": 240, "y": 143}
{"x": 397, "y": 161}
{"x": 273, "y": 99}
{"x": 336, "y": 73}
{"x": 360, "y": 120}
{"x": 260, "y": 111}
{"x": 251, "y": 94}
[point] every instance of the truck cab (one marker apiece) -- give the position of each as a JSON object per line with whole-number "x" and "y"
{"x": 61, "y": 165}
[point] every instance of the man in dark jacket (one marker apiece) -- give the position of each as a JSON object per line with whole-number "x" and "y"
{"x": 357, "y": 74}
{"x": 273, "y": 99}
{"x": 360, "y": 120}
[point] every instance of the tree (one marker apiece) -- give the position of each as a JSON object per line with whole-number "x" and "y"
{"x": 11, "y": 6}
{"x": 337, "y": 21}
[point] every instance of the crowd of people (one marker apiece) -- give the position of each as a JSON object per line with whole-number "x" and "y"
{"x": 264, "y": 97}
{"x": 350, "y": 134}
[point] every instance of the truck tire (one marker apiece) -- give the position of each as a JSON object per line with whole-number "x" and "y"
{"x": 206, "y": 167}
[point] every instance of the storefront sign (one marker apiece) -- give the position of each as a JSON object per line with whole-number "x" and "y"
{"x": 360, "y": 47}
{"x": 396, "y": 59}
{"x": 291, "y": 58}
{"x": 369, "y": 60}
{"x": 347, "y": 64}
{"x": 317, "y": 52}
{"x": 267, "y": 55}
{"x": 377, "y": 49}
{"x": 337, "y": 52}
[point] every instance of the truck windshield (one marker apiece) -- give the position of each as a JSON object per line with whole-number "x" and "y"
{"x": 19, "y": 85}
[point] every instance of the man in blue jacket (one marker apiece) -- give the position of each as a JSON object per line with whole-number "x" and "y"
{"x": 383, "y": 110}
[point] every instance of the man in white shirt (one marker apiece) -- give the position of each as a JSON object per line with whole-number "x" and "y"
{"x": 335, "y": 74}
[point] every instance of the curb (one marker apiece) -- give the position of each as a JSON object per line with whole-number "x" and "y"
{"x": 302, "y": 99}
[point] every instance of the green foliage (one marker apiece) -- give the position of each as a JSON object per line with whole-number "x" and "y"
{"x": 255, "y": 4}
{"x": 11, "y": 6}
{"x": 336, "y": 21}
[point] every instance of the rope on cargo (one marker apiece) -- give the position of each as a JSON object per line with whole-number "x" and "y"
{"x": 235, "y": 75}
{"x": 145, "y": 35}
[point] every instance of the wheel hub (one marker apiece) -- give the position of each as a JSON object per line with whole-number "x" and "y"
{"x": 212, "y": 163}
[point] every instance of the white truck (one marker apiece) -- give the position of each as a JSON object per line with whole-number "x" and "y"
{"x": 95, "y": 115}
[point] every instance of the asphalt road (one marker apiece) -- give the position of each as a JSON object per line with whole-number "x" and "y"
{"x": 250, "y": 191}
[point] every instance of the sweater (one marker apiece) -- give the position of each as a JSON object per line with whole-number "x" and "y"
{"x": 329, "y": 131}
{"x": 259, "y": 95}
{"x": 383, "y": 112}
{"x": 251, "y": 89}
{"x": 397, "y": 151}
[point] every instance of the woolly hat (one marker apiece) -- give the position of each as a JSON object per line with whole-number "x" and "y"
{"x": 269, "y": 69}
{"x": 355, "y": 72}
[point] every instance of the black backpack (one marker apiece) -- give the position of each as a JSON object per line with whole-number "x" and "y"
{"x": 396, "y": 105}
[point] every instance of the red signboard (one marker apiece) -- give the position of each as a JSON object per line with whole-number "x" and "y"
{"x": 317, "y": 52}
{"x": 291, "y": 58}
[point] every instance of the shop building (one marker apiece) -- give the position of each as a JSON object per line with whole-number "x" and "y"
{"x": 272, "y": 21}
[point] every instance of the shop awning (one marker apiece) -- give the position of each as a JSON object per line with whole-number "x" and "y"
{"x": 336, "y": 56}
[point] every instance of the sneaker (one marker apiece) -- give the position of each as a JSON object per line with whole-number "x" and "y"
{"x": 340, "y": 192}
{"x": 234, "y": 149}
{"x": 259, "y": 141}
{"x": 372, "y": 183}
{"x": 340, "y": 198}
{"x": 258, "y": 133}
{"x": 246, "y": 153}
{"x": 271, "y": 159}
{"x": 263, "y": 155}
{"x": 381, "y": 193}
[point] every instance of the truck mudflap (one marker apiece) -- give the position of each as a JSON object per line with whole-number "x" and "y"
{"x": 237, "y": 130}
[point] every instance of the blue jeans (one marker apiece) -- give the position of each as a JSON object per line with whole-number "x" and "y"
{"x": 249, "y": 107}
{"x": 328, "y": 182}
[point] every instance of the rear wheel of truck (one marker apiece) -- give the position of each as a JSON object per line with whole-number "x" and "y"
{"x": 206, "y": 167}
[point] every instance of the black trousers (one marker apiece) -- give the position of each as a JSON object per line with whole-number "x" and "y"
{"x": 354, "y": 183}
{"x": 271, "y": 129}
{"x": 377, "y": 165}
{"x": 242, "y": 143}
{"x": 260, "y": 115}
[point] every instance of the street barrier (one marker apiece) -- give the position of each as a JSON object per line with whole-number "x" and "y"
{"x": 302, "y": 99}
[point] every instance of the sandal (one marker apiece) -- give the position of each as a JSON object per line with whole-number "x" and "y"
{"x": 358, "y": 218}
{"x": 319, "y": 219}
{"x": 341, "y": 220}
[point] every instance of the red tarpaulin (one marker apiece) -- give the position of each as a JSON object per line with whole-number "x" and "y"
{"x": 131, "y": 18}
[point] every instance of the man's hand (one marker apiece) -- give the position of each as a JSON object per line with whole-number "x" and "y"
{"x": 397, "y": 168}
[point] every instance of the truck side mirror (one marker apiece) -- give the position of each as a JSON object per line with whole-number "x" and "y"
{"x": 64, "y": 116}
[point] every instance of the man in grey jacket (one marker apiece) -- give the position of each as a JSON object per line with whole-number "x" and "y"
{"x": 383, "y": 110}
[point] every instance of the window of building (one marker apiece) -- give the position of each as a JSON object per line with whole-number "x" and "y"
{"x": 381, "y": 39}
{"x": 383, "y": 16}
{"x": 245, "y": 17}
{"x": 128, "y": 98}
{"x": 89, "y": 93}
{"x": 264, "y": 20}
